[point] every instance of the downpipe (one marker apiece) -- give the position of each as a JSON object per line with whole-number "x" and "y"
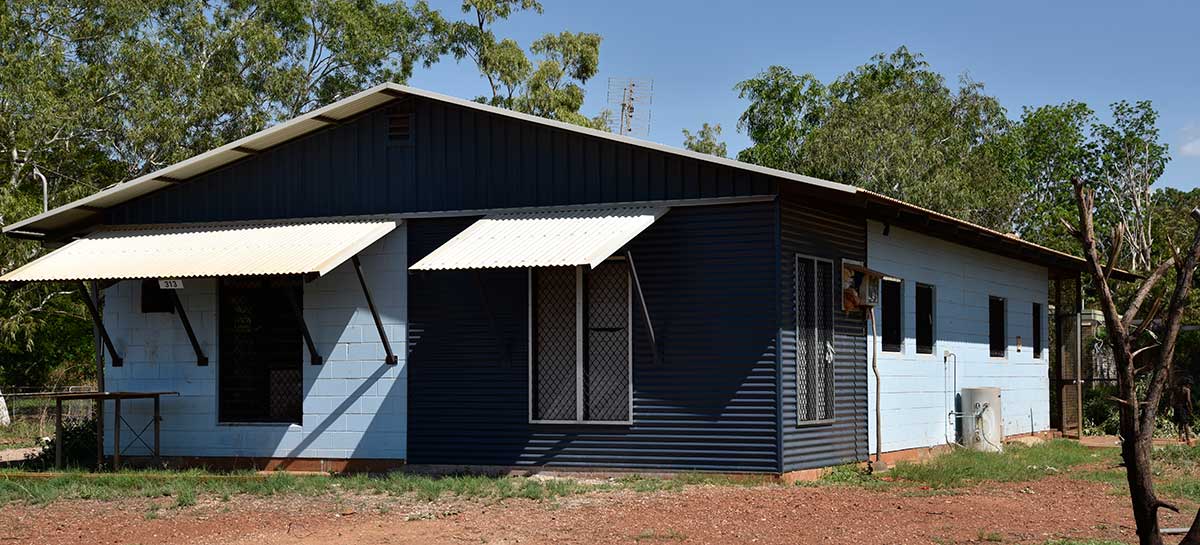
{"x": 878, "y": 389}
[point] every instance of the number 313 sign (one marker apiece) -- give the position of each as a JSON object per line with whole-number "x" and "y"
{"x": 170, "y": 283}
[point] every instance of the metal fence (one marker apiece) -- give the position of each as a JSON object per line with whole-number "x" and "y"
{"x": 32, "y": 418}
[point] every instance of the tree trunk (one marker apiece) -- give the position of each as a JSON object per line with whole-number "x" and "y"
{"x": 1141, "y": 485}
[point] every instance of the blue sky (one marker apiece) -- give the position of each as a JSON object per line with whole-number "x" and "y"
{"x": 1026, "y": 53}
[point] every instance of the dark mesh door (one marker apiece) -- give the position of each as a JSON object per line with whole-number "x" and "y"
{"x": 814, "y": 283}
{"x": 606, "y": 368}
{"x": 554, "y": 366}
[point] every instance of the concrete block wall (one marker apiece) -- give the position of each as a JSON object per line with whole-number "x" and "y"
{"x": 917, "y": 389}
{"x": 355, "y": 405}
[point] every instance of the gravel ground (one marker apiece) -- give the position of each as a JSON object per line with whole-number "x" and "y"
{"x": 1033, "y": 512}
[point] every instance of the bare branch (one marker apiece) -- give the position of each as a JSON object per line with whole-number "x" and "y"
{"x": 1115, "y": 251}
{"x": 1142, "y": 292}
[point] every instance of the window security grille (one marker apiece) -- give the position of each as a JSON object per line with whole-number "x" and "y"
{"x": 606, "y": 367}
{"x": 814, "y": 291}
{"x": 554, "y": 373}
{"x": 259, "y": 376}
{"x": 581, "y": 371}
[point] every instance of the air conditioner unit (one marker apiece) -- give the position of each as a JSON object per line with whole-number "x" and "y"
{"x": 860, "y": 286}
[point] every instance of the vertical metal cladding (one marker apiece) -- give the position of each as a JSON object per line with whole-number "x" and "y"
{"x": 453, "y": 159}
{"x": 811, "y": 228}
{"x": 709, "y": 403}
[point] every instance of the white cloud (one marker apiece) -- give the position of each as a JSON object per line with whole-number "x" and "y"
{"x": 1191, "y": 149}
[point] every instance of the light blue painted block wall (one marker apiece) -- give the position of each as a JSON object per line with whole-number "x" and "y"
{"x": 917, "y": 388}
{"x": 355, "y": 405}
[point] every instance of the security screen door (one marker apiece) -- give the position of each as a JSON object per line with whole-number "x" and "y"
{"x": 814, "y": 289}
{"x": 580, "y": 367}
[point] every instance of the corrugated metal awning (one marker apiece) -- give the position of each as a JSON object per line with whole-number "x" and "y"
{"x": 584, "y": 236}
{"x": 205, "y": 250}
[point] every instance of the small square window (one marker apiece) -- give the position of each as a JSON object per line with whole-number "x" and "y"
{"x": 156, "y": 299}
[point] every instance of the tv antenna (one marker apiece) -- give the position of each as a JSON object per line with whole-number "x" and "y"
{"x": 630, "y": 100}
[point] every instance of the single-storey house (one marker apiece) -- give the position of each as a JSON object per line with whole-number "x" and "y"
{"x": 403, "y": 277}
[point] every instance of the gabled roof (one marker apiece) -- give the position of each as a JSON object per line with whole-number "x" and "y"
{"x": 79, "y": 212}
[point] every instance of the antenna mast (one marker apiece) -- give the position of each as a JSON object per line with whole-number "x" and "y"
{"x": 630, "y": 99}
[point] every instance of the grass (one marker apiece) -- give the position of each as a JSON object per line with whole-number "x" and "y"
{"x": 186, "y": 486}
{"x": 1176, "y": 473}
{"x": 962, "y": 467}
{"x": 1018, "y": 463}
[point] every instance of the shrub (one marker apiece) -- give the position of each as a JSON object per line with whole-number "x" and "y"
{"x": 79, "y": 447}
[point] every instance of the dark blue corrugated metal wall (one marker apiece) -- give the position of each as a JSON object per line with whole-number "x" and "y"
{"x": 808, "y": 227}
{"x": 710, "y": 403}
{"x": 460, "y": 159}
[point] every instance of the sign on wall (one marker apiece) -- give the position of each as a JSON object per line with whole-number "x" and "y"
{"x": 170, "y": 283}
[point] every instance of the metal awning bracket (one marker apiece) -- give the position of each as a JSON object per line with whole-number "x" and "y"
{"x": 391, "y": 358}
{"x": 201, "y": 359}
{"x": 637, "y": 285}
{"x": 314, "y": 357}
{"x": 117, "y": 361}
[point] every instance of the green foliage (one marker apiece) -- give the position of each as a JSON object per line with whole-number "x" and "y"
{"x": 79, "y": 447}
{"x": 892, "y": 126}
{"x": 706, "y": 140}
{"x": 895, "y": 127}
{"x": 549, "y": 86}
{"x": 1017, "y": 463}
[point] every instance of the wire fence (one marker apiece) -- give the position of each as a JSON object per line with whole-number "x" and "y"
{"x": 32, "y": 418}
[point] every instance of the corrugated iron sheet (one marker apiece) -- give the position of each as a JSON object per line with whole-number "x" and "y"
{"x": 205, "y": 250}
{"x": 542, "y": 239}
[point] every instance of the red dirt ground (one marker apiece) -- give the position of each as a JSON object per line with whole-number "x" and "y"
{"x": 1016, "y": 513}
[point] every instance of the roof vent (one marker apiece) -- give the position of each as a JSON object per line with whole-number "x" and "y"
{"x": 400, "y": 123}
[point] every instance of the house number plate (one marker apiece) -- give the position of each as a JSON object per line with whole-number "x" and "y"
{"x": 170, "y": 283}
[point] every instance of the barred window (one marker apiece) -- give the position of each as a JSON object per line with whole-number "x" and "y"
{"x": 814, "y": 293}
{"x": 259, "y": 373}
{"x": 580, "y": 366}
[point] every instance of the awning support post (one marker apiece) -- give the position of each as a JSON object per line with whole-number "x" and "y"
{"x": 637, "y": 285}
{"x": 201, "y": 359}
{"x": 117, "y": 361}
{"x": 387, "y": 346}
{"x": 314, "y": 357}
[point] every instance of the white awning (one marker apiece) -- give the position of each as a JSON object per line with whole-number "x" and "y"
{"x": 205, "y": 250}
{"x": 585, "y": 236}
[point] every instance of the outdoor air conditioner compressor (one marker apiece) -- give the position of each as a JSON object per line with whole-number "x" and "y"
{"x": 982, "y": 424}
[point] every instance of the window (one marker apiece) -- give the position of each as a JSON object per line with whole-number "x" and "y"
{"x": 260, "y": 368}
{"x": 156, "y": 299}
{"x": 814, "y": 292}
{"x": 924, "y": 317}
{"x": 996, "y": 333}
{"x": 891, "y": 313}
{"x": 580, "y": 365}
{"x": 1037, "y": 330}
